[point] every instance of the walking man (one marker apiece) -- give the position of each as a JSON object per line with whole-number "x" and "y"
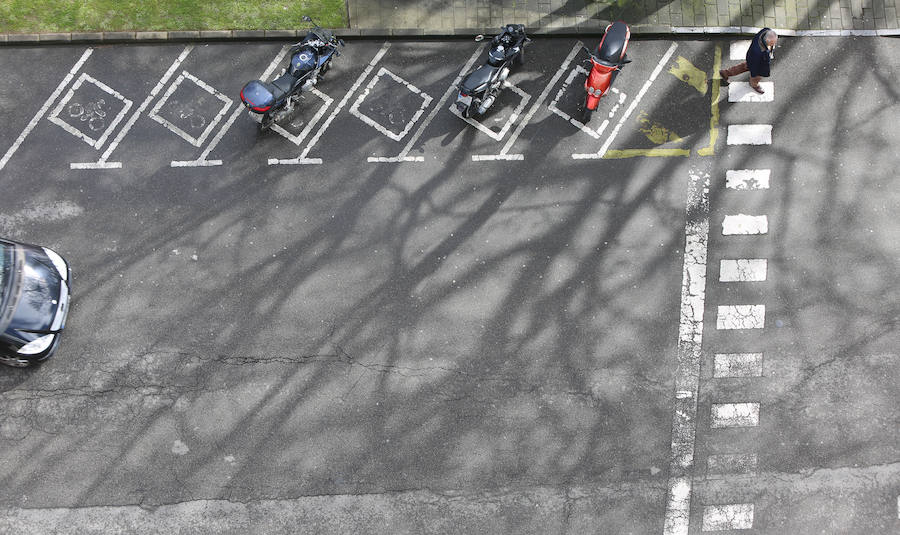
{"x": 758, "y": 56}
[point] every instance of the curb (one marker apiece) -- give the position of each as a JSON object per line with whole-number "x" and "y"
{"x": 586, "y": 28}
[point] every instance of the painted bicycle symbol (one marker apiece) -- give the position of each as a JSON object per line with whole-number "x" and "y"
{"x": 188, "y": 113}
{"x": 93, "y": 113}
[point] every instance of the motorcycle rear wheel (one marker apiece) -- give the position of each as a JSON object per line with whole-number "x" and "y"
{"x": 266, "y": 122}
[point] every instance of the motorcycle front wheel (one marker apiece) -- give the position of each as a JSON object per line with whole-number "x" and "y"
{"x": 586, "y": 114}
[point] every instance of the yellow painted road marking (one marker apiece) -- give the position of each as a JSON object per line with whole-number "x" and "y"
{"x": 689, "y": 74}
{"x": 656, "y": 132}
{"x": 632, "y": 153}
{"x": 714, "y": 106}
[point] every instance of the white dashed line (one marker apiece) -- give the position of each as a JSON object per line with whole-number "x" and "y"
{"x": 749, "y": 134}
{"x": 726, "y": 365}
{"x": 40, "y": 114}
{"x": 742, "y": 92}
{"x": 747, "y": 179}
{"x": 726, "y": 415}
{"x": 745, "y": 224}
{"x": 743, "y": 270}
{"x": 731, "y": 464}
{"x": 690, "y": 342}
{"x": 730, "y": 317}
{"x": 727, "y": 517}
{"x": 302, "y": 159}
{"x": 634, "y": 103}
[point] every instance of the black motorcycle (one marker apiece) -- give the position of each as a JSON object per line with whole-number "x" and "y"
{"x": 480, "y": 89}
{"x": 311, "y": 58}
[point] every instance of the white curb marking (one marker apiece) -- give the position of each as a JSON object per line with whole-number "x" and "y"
{"x": 537, "y": 104}
{"x": 749, "y": 134}
{"x": 497, "y": 136}
{"x": 634, "y": 103}
{"x": 725, "y": 415}
{"x": 302, "y": 159}
{"x": 745, "y": 224}
{"x": 729, "y": 464}
{"x": 743, "y": 270}
{"x": 578, "y": 124}
{"x": 354, "y": 109}
{"x": 40, "y": 114}
{"x": 198, "y": 141}
{"x": 690, "y": 342}
{"x": 737, "y": 365}
{"x": 402, "y": 157}
{"x": 741, "y": 317}
{"x": 747, "y": 179}
{"x": 727, "y": 517}
{"x": 742, "y": 92}
{"x": 96, "y": 143}
{"x": 102, "y": 163}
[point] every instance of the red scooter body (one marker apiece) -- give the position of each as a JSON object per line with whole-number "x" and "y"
{"x": 606, "y": 63}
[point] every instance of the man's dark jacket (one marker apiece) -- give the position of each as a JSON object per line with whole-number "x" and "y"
{"x": 758, "y": 55}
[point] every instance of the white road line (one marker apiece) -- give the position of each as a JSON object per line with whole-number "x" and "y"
{"x": 745, "y": 224}
{"x": 726, "y": 365}
{"x": 49, "y": 102}
{"x": 738, "y": 49}
{"x": 354, "y": 109}
{"x": 727, "y": 517}
{"x": 729, "y": 464}
{"x": 302, "y": 159}
{"x": 299, "y": 138}
{"x": 725, "y": 415}
{"x": 747, "y": 179}
{"x": 741, "y": 317}
{"x": 504, "y": 152}
{"x": 742, "y": 92}
{"x": 498, "y": 136}
{"x": 743, "y": 270}
{"x": 631, "y": 108}
{"x": 749, "y": 134}
{"x": 690, "y": 342}
{"x": 402, "y": 157}
{"x": 96, "y": 143}
{"x": 102, "y": 163}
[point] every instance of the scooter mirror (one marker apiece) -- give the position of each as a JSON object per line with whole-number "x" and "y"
{"x": 479, "y": 37}
{"x": 586, "y": 49}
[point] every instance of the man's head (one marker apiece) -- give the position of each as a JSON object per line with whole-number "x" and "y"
{"x": 770, "y": 38}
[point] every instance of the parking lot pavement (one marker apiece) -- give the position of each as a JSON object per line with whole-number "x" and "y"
{"x": 381, "y": 307}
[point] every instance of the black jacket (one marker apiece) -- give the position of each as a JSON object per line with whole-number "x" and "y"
{"x": 758, "y": 55}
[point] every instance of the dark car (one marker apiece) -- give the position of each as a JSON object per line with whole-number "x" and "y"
{"x": 34, "y": 302}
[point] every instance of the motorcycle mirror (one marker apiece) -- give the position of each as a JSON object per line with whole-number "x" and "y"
{"x": 341, "y": 42}
{"x": 479, "y": 37}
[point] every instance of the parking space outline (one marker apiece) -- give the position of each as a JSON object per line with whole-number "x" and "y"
{"x": 96, "y": 143}
{"x": 354, "y": 109}
{"x": 197, "y": 142}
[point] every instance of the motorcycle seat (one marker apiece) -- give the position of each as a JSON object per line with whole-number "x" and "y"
{"x": 479, "y": 77}
{"x": 282, "y": 85}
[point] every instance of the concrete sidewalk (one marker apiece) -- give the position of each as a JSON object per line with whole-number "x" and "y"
{"x": 451, "y": 17}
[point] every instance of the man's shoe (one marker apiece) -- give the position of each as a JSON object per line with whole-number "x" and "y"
{"x": 758, "y": 89}
{"x": 723, "y": 76}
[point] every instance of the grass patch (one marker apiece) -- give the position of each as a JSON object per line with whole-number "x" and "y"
{"x": 33, "y": 16}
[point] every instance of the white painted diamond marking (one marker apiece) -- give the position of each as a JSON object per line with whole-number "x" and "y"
{"x": 727, "y": 517}
{"x": 96, "y": 143}
{"x": 299, "y": 138}
{"x": 578, "y": 124}
{"x": 354, "y": 109}
{"x": 498, "y": 136}
{"x": 198, "y": 141}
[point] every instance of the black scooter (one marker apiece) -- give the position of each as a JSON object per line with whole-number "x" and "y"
{"x": 480, "y": 89}
{"x": 311, "y": 58}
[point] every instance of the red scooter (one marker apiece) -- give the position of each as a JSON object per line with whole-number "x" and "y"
{"x": 606, "y": 64}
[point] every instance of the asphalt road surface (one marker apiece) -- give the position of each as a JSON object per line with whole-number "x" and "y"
{"x": 679, "y": 317}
